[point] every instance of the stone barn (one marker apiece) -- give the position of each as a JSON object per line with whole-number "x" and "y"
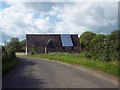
{"x": 45, "y": 43}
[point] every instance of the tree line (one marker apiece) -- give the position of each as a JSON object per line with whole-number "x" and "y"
{"x": 16, "y": 44}
{"x": 100, "y": 46}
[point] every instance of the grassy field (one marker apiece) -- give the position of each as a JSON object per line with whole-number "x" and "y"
{"x": 80, "y": 59}
{"x": 7, "y": 67}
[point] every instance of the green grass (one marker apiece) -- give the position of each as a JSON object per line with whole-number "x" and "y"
{"x": 79, "y": 59}
{"x": 8, "y": 66}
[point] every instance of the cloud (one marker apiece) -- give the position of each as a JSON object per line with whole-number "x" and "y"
{"x": 44, "y": 6}
{"x": 40, "y": 6}
{"x": 95, "y": 17}
{"x": 21, "y": 18}
{"x": 17, "y": 22}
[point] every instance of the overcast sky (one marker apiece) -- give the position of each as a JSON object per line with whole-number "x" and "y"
{"x": 20, "y": 18}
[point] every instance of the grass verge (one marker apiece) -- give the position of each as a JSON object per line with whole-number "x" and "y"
{"x": 79, "y": 59}
{"x": 8, "y": 66}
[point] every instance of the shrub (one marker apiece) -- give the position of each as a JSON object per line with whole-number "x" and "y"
{"x": 8, "y": 55}
{"x": 9, "y": 60}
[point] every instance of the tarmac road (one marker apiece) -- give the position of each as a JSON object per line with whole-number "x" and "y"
{"x": 43, "y": 73}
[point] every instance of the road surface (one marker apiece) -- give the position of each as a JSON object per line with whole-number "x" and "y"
{"x": 43, "y": 73}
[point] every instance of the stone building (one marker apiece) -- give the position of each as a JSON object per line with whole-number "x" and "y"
{"x": 45, "y": 43}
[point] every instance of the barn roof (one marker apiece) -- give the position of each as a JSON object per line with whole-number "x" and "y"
{"x": 40, "y": 40}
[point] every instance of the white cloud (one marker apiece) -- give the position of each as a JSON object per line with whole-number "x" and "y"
{"x": 19, "y": 18}
{"x": 17, "y": 21}
{"x": 95, "y": 17}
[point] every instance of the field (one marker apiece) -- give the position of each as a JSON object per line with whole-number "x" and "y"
{"x": 79, "y": 59}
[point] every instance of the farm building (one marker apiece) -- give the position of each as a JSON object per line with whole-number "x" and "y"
{"x": 45, "y": 43}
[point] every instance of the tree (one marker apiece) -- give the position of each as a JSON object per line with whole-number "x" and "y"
{"x": 11, "y": 52}
{"x": 100, "y": 46}
{"x": 3, "y": 49}
{"x": 98, "y": 38}
{"x": 115, "y": 35}
{"x": 23, "y": 45}
{"x": 15, "y": 44}
{"x": 86, "y": 38}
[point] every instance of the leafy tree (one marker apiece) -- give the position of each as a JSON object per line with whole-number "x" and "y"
{"x": 23, "y": 45}
{"x": 86, "y": 38}
{"x": 15, "y": 44}
{"x": 114, "y": 39}
{"x": 101, "y": 47}
{"x": 11, "y": 52}
{"x": 3, "y": 49}
{"x": 115, "y": 35}
{"x": 98, "y": 38}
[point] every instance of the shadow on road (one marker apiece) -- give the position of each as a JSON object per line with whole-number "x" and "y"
{"x": 22, "y": 77}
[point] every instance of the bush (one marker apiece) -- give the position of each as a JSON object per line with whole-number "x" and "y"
{"x": 88, "y": 54}
{"x": 11, "y": 54}
{"x": 9, "y": 60}
{"x": 4, "y": 58}
{"x": 8, "y": 55}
